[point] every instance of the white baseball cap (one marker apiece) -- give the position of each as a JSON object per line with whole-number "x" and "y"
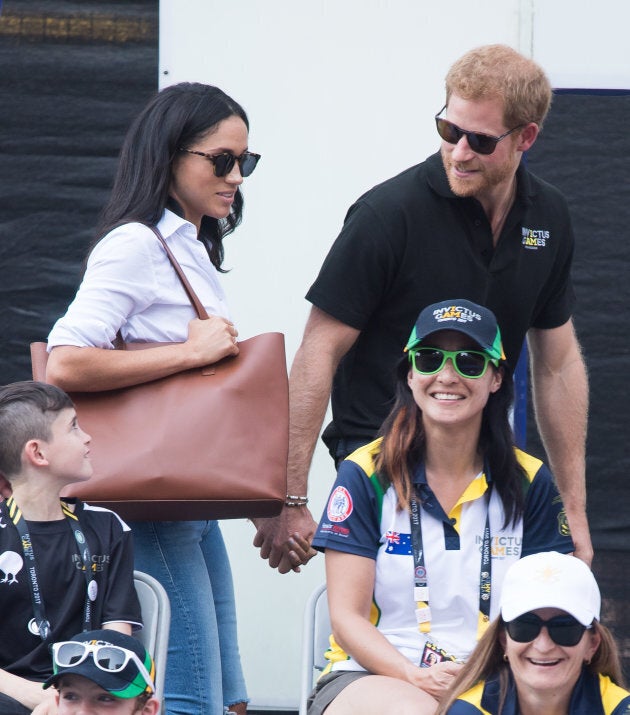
{"x": 550, "y": 580}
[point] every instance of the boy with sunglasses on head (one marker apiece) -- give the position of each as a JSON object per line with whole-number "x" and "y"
{"x": 101, "y": 672}
{"x": 65, "y": 566}
{"x": 470, "y": 221}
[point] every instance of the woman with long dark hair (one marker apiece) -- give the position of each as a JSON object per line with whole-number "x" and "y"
{"x": 422, "y": 523}
{"x": 180, "y": 169}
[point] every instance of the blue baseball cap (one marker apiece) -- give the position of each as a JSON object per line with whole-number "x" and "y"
{"x": 118, "y": 672}
{"x": 471, "y": 319}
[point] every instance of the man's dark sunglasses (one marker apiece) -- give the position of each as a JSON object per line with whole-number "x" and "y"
{"x": 224, "y": 163}
{"x": 478, "y": 142}
{"x": 563, "y": 630}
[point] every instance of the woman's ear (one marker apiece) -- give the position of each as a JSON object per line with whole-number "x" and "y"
{"x": 497, "y": 379}
{"x": 595, "y": 641}
{"x": 501, "y": 636}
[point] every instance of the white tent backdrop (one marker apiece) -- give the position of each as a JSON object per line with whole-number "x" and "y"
{"x": 341, "y": 95}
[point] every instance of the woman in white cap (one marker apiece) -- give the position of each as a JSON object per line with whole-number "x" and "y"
{"x": 422, "y": 523}
{"x": 547, "y": 654}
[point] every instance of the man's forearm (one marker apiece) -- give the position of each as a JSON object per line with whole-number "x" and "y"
{"x": 326, "y": 340}
{"x": 309, "y": 392}
{"x": 561, "y": 406}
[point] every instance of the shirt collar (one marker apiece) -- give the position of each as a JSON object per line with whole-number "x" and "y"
{"x": 436, "y": 176}
{"x": 171, "y": 223}
{"x": 419, "y": 476}
{"x": 586, "y": 697}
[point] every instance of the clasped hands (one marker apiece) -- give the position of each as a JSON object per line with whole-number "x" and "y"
{"x": 285, "y": 540}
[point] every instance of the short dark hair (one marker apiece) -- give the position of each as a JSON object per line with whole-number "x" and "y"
{"x": 27, "y": 411}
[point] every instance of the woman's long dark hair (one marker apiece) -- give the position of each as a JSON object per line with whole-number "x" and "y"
{"x": 404, "y": 444}
{"x": 174, "y": 118}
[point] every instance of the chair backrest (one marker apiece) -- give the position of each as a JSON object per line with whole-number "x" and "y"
{"x": 315, "y": 633}
{"x": 156, "y": 616}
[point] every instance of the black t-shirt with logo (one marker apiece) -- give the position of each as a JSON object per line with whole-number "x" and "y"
{"x": 62, "y": 583}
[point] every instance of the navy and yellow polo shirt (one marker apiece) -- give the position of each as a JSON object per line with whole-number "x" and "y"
{"x": 363, "y": 518}
{"x": 592, "y": 695}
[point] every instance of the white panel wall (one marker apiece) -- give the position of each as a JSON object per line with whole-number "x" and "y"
{"x": 341, "y": 95}
{"x": 583, "y": 44}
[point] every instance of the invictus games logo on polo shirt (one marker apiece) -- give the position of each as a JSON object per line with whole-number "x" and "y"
{"x": 455, "y": 313}
{"x": 534, "y": 239}
{"x": 563, "y": 524}
{"x": 502, "y": 546}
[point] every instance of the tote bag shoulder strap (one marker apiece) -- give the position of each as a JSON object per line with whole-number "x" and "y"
{"x": 39, "y": 353}
{"x": 194, "y": 298}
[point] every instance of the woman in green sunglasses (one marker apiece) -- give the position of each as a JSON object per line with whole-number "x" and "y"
{"x": 422, "y": 524}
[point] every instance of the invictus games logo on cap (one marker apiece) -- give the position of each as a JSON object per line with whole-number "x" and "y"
{"x": 455, "y": 313}
{"x": 463, "y": 316}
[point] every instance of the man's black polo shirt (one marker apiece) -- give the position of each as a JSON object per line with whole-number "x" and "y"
{"x": 410, "y": 242}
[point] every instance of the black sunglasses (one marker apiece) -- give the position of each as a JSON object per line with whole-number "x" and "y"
{"x": 478, "y": 142}
{"x": 224, "y": 163}
{"x": 467, "y": 363}
{"x": 563, "y": 630}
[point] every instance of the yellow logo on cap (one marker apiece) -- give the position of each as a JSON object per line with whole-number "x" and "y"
{"x": 548, "y": 573}
{"x": 452, "y": 312}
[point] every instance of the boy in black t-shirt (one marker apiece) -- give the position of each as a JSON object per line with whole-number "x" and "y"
{"x": 65, "y": 567}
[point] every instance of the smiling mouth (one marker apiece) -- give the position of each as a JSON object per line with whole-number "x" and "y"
{"x": 447, "y": 396}
{"x": 464, "y": 169}
{"x": 544, "y": 663}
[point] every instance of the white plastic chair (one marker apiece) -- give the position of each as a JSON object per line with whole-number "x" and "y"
{"x": 315, "y": 632}
{"x": 156, "y": 616}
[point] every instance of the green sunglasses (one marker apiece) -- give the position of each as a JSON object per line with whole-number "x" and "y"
{"x": 471, "y": 364}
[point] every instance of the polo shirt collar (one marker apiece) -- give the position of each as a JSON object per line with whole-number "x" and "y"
{"x": 419, "y": 477}
{"x": 436, "y": 177}
{"x": 586, "y": 698}
{"x": 428, "y": 500}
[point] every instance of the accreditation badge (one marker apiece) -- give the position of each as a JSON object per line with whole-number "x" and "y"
{"x": 433, "y": 654}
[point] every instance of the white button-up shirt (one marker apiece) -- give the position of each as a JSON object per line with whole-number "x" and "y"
{"x": 130, "y": 284}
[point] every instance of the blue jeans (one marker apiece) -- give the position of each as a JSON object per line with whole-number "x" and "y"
{"x": 203, "y": 671}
